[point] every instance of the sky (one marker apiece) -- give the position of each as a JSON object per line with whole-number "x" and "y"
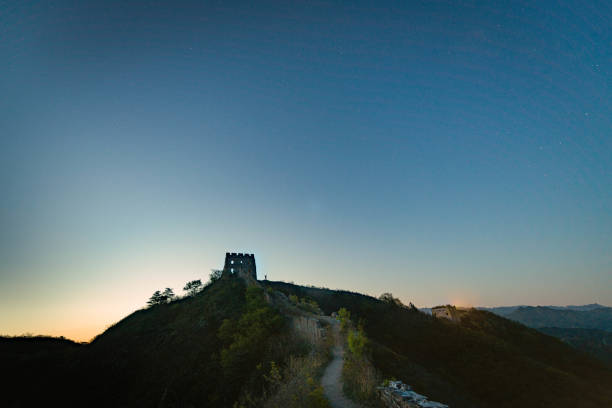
{"x": 443, "y": 151}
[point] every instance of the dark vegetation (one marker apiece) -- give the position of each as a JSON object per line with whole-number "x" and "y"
{"x": 359, "y": 377}
{"x": 597, "y": 343}
{"x": 483, "y": 361}
{"x": 34, "y": 367}
{"x": 225, "y": 345}
{"x": 297, "y": 384}
{"x": 193, "y": 287}
{"x": 306, "y": 305}
{"x": 160, "y": 297}
{"x": 213, "y": 349}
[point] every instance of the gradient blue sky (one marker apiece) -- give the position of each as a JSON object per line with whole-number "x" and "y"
{"x": 445, "y": 152}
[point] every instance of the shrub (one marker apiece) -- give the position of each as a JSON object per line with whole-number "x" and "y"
{"x": 298, "y": 387}
{"x": 246, "y": 337}
{"x": 360, "y": 379}
{"x": 357, "y": 342}
{"x": 345, "y": 318}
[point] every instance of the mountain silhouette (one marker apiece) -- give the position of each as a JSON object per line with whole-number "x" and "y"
{"x": 221, "y": 347}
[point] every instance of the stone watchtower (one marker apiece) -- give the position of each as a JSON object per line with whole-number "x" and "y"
{"x": 240, "y": 264}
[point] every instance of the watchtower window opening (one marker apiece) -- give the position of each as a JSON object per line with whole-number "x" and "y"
{"x": 232, "y": 262}
{"x": 232, "y": 270}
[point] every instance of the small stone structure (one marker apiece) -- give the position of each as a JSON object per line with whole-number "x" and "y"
{"x": 445, "y": 312}
{"x": 239, "y": 264}
{"x": 400, "y": 395}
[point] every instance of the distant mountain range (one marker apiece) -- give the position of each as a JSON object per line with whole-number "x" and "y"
{"x": 582, "y": 308}
{"x": 508, "y": 310}
{"x": 593, "y": 316}
{"x": 587, "y": 328}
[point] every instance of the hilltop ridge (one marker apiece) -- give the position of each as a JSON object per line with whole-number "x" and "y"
{"x": 222, "y": 346}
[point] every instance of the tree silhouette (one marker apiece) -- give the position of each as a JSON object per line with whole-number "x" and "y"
{"x": 215, "y": 275}
{"x": 169, "y": 295}
{"x": 159, "y": 297}
{"x": 156, "y": 299}
{"x": 388, "y": 298}
{"x": 193, "y": 287}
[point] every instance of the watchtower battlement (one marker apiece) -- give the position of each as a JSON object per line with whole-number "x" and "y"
{"x": 237, "y": 263}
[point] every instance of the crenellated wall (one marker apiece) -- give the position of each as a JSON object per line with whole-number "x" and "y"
{"x": 240, "y": 264}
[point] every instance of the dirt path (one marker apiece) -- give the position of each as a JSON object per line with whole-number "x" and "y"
{"x": 331, "y": 380}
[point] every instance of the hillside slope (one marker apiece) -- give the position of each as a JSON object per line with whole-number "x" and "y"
{"x": 597, "y": 343}
{"x": 483, "y": 361}
{"x": 228, "y": 343}
{"x": 198, "y": 351}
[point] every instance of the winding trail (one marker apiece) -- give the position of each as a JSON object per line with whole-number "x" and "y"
{"x": 332, "y": 380}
